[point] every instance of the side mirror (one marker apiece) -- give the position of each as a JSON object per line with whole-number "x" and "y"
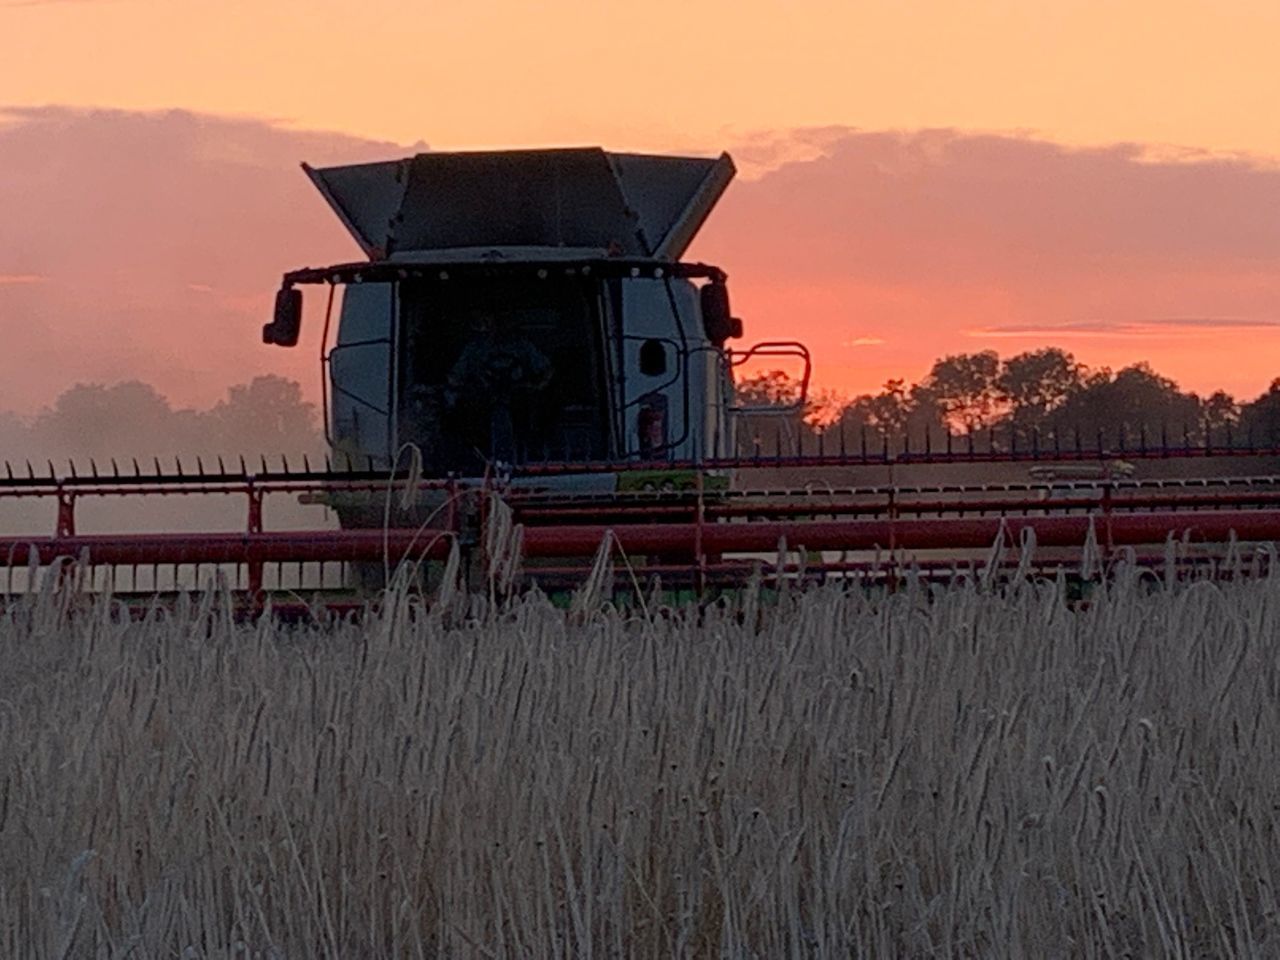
{"x": 718, "y": 321}
{"x": 284, "y": 326}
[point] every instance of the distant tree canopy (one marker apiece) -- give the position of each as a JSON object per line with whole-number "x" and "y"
{"x": 1039, "y": 397}
{"x": 267, "y": 416}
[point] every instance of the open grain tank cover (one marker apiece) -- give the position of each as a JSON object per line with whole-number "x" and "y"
{"x": 624, "y": 204}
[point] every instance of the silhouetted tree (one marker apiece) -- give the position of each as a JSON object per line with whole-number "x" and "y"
{"x": 895, "y": 416}
{"x": 1260, "y": 420}
{"x": 771, "y": 388}
{"x": 966, "y": 389}
{"x": 125, "y": 420}
{"x": 266, "y": 416}
{"x": 13, "y": 432}
{"x": 1036, "y": 383}
{"x": 791, "y": 429}
{"x": 132, "y": 420}
{"x": 1220, "y": 413}
{"x": 1134, "y": 402}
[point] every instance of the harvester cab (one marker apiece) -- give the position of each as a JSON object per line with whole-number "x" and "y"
{"x": 527, "y": 307}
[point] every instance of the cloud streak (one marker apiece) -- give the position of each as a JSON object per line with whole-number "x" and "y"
{"x": 1122, "y": 328}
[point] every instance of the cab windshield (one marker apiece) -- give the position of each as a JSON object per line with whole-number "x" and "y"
{"x": 502, "y": 369}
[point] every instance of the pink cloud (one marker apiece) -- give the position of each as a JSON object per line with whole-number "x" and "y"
{"x": 161, "y": 237}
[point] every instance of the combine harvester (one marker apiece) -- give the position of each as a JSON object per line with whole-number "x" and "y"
{"x": 524, "y": 369}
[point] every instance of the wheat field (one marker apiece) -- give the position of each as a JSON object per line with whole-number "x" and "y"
{"x": 960, "y": 772}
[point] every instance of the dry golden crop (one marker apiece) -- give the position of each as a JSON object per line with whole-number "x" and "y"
{"x": 962, "y": 772}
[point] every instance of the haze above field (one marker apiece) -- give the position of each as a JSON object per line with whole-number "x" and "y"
{"x": 919, "y": 179}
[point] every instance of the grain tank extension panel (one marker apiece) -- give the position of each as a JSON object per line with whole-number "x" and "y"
{"x": 581, "y": 199}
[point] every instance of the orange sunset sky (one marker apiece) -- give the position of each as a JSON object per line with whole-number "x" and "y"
{"x": 917, "y": 177}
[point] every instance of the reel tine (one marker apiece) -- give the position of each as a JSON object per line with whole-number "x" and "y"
{"x": 137, "y": 472}
{"x": 31, "y": 474}
{"x": 243, "y": 468}
{"x": 156, "y": 461}
{"x": 115, "y": 468}
{"x": 306, "y": 464}
{"x": 264, "y": 464}
{"x": 8, "y": 469}
{"x": 285, "y": 462}
{"x": 222, "y": 470}
{"x": 199, "y": 466}
{"x": 93, "y": 468}
{"x": 72, "y": 464}
{"x": 178, "y": 461}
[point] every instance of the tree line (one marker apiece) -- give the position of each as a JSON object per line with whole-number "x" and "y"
{"x": 1040, "y": 397}
{"x": 132, "y": 420}
{"x": 1043, "y": 398}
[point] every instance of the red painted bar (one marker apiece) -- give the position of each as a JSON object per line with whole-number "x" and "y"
{"x": 191, "y": 548}
{"x": 816, "y": 505}
{"x": 677, "y": 539}
{"x": 669, "y": 540}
